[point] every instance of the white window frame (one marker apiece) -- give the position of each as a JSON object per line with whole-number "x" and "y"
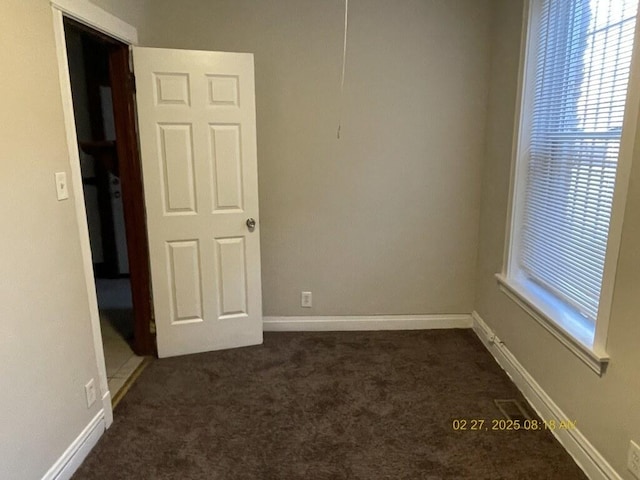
{"x": 550, "y": 314}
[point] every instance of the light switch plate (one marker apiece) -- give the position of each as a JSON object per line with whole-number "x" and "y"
{"x": 62, "y": 190}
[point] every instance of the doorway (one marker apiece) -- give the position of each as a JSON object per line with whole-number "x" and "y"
{"x": 103, "y": 102}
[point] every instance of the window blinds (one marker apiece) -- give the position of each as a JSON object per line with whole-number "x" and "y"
{"x": 582, "y": 70}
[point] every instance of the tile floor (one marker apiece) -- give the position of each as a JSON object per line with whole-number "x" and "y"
{"x": 120, "y": 360}
{"x": 116, "y": 323}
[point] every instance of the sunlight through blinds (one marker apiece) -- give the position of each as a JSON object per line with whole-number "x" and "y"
{"x": 582, "y": 71}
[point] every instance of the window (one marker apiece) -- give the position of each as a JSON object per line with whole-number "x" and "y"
{"x": 571, "y": 128}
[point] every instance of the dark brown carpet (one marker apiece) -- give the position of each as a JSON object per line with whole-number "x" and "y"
{"x": 343, "y": 405}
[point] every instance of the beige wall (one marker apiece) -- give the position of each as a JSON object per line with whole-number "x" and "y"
{"x": 46, "y": 346}
{"x": 606, "y": 408}
{"x": 383, "y": 221}
{"x": 133, "y": 12}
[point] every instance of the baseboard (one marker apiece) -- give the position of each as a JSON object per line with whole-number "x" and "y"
{"x": 107, "y": 407}
{"x": 73, "y": 457}
{"x": 583, "y": 452}
{"x": 375, "y": 322}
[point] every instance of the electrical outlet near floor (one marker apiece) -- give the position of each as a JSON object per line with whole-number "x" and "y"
{"x": 305, "y": 299}
{"x": 90, "y": 390}
{"x": 633, "y": 459}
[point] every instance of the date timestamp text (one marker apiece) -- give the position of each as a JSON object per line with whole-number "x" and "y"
{"x": 480, "y": 424}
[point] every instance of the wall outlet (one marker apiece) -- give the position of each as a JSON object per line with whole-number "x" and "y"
{"x": 633, "y": 459}
{"x": 90, "y": 390}
{"x": 305, "y": 299}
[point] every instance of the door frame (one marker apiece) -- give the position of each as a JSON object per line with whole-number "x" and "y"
{"x": 130, "y": 172}
{"x": 129, "y": 164}
{"x": 86, "y": 13}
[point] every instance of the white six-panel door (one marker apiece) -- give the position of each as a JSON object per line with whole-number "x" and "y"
{"x": 196, "y": 114}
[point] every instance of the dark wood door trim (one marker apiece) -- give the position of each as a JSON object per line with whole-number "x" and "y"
{"x": 132, "y": 197}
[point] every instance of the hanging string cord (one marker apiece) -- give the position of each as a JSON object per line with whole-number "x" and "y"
{"x": 344, "y": 61}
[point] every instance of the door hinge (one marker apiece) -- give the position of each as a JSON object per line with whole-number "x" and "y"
{"x": 132, "y": 82}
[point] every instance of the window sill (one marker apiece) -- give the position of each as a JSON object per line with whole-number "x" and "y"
{"x": 573, "y": 333}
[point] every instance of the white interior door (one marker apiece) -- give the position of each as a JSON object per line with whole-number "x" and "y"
{"x": 196, "y": 114}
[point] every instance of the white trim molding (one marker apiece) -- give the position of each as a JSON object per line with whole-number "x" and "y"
{"x": 596, "y": 359}
{"x": 373, "y": 322}
{"x": 618, "y": 207}
{"x": 107, "y": 408}
{"x": 89, "y": 14}
{"x": 574, "y": 442}
{"x": 75, "y": 454}
{"x": 522, "y": 126}
{"x": 78, "y": 198}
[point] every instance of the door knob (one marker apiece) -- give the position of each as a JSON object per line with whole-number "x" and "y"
{"x": 251, "y": 224}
